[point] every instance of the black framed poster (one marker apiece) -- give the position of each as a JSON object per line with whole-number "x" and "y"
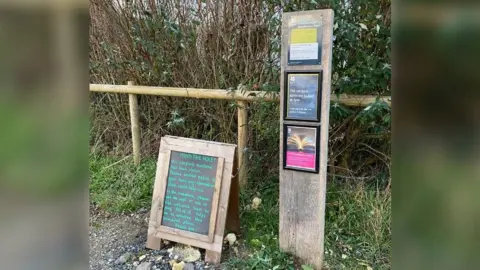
{"x": 302, "y": 95}
{"x": 301, "y": 147}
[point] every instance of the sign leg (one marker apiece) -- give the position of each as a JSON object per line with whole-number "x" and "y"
{"x": 152, "y": 241}
{"x": 213, "y": 257}
{"x": 233, "y": 215}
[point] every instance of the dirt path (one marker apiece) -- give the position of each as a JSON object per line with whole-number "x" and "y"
{"x": 111, "y": 237}
{"x": 118, "y": 242}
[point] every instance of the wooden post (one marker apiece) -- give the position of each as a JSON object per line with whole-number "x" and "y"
{"x": 242, "y": 141}
{"x": 302, "y": 194}
{"x": 134, "y": 119}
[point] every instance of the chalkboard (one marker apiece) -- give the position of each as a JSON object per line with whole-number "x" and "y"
{"x": 302, "y": 95}
{"x": 189, "y": 193}
{"x": 191, "y": 196}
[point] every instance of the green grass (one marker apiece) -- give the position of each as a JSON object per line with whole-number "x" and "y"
{"x": 357, "y": 220}
{"x": 116, "y": 185}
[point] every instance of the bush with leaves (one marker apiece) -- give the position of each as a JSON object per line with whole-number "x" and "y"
{"x": 225, "y": 44}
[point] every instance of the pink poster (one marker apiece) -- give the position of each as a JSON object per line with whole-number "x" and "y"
{"x": 301, "y": 148}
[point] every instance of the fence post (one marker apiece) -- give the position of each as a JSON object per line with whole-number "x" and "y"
{"x": 242, "y": 141}
{"x": 134, "y": 120}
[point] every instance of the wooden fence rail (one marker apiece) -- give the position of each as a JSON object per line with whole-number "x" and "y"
{"x": 242, "y": 98}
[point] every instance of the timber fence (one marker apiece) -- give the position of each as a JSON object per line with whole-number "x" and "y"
{"x": 241, "y": 97}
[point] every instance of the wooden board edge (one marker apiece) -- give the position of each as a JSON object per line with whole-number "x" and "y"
{"x": 152, "y": 241}
{"x": 216, "y": 197}
{"x": 163, "y": 187}
{"x": 185, "y": 234}
{"x": 216, "y": 246}
{"x": 179, "y": 139}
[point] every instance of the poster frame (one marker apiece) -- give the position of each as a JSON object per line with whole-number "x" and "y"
{"x": 287, "y": 90}
{"x": 317, "y": 148}
{"x": 305, "y": 22}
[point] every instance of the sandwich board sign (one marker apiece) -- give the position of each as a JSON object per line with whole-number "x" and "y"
{"x": 192, "y": 194}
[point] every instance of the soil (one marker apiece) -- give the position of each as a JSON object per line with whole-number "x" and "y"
{"x": 118, "y": 242}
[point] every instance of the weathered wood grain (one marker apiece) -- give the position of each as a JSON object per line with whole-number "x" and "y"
{"x": 344, "y": 99}
{"x": 135, "y": 123}
{"x": 233, "y": 213}
{"x": 302, "y": 195}
{"x": 242, "y": 141}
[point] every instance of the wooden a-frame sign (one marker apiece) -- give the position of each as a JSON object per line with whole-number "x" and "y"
{"x": 193, "y": 190}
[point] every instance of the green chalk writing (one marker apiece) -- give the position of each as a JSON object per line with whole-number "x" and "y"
{"x": 191, "y": 175}
{"x": 189, "y": 192}
{"x": 204, "y": 166}
{"x": 201, "y": 198}
{"x": 203, "y": 178}
{"x": 174, "y": 173}
{"x": 206, "y": 184}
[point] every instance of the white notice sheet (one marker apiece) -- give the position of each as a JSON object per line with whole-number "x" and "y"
{"x": 303, "y": 51}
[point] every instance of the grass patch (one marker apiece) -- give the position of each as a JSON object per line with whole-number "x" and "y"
{"x": 116, "y": 185}
{"x": 357, "y": 226}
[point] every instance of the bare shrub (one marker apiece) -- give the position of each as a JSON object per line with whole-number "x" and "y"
{"x": 221, "y": 45}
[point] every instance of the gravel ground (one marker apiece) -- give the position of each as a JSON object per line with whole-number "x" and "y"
{"x": 118, "y": 242}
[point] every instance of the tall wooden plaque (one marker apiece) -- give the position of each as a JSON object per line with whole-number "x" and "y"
{"x": 306, "y": 47}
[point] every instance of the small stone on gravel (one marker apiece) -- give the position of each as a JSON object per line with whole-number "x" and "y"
{"x": 124, "y": 258}
{"x": 199, "y": 265}
{"x": 118, "y": 243}
{"x": 178, "y": 266}
{"x": 185, "y": 253}
{"x": 144, "y": 266}
{"x": 189, "y": 266}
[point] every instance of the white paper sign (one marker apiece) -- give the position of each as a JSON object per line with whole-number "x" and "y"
{"x": 303, "y": 51}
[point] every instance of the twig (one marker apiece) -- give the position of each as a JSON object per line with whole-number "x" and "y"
{"x": 123, "y": 159}
{"x": 376, "y": 151}
{"x": 361, "y": 178}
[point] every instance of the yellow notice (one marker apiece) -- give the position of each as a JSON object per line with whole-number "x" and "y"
{"x": 303, "y": 35}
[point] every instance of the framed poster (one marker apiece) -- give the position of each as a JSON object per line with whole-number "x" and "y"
{"x": 301, "y": 147}
{"x": 305, "y": 41}
{"x": 303, "y": 94}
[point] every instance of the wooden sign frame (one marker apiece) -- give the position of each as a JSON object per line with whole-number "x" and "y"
{"x": 224, "y": 185}
{"x": 287, "y": 93}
